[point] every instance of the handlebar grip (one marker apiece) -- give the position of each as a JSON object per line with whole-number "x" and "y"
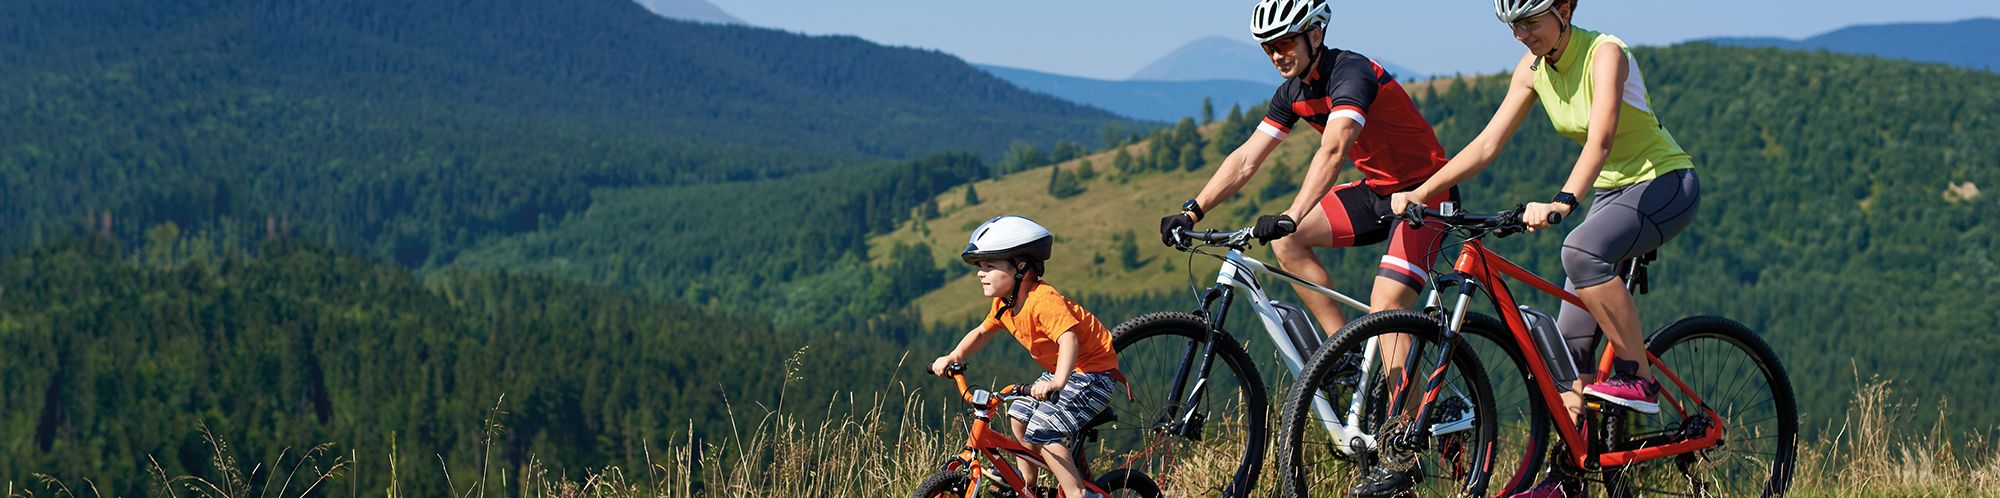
{"x": 1028, "y": 390}
{"x": 1555, "y": 218}
{"x": 1414, "y": 215}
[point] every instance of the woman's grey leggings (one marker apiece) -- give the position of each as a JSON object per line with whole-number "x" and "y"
{"x": 1622, "y": 223}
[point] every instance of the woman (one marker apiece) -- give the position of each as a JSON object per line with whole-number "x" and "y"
{"x": 1643, "y": 185}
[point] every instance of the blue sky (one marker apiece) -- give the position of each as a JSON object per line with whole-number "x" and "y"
{"x": 1111, "y": 39}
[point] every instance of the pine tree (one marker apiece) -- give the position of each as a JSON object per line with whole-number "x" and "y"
{"x": 1128, "y": 250}
{"x": 971, "y": 195}
{"x": 1062, "y": 186}
{"x": 1207, "y": 110}
{"x": 1190, "y": 157}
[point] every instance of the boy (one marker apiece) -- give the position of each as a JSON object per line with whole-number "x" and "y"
{"x": 1062, "y": 336}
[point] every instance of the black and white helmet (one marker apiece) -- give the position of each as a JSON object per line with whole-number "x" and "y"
{"x": 1515, "y": 10}
{"x": 1006, "y": 238}
{"x": 1274, "y": 19}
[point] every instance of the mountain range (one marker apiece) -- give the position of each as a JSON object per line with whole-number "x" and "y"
{"x": 1218, "y": 58}
{"x": 1165, "y": 101}
{"x": 1227, "y": 72}
{"x": 418, "y": 130}
{"x": 690, "y": 10}
{"x": 1967, "y": 43}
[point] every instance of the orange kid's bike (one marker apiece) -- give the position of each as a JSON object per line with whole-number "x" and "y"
{"x": 986, "y": 456}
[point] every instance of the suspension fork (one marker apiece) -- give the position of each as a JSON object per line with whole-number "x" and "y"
{"x": 1174, "y": 414}
{"x": 1451, "y": 324}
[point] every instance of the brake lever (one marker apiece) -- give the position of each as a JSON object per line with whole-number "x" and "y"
{"x": 1510, "y": 222}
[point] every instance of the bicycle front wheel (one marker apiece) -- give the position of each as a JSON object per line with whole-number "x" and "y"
{"x": 1735, "y": 374}
{"x": 944, "y": 484}
{"x": 1320, "y": 455}
{"x": 1198, "y": 432}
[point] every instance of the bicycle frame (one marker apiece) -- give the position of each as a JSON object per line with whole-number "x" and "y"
{"x": 1239, "y": 272}
{"x": 1481, "y": 267}
{"x": 985, "y": 446}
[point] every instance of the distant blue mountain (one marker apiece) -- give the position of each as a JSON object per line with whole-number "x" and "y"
{"x": 1970, "y": 43}
{"x": 691, "y": 10}
{"x": 1217, "y": 58}
{"x": 1167, "y": 101}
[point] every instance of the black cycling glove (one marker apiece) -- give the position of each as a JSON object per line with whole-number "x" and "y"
{"x": 1273, "y": 227}
{"x": 1176, "y": 221}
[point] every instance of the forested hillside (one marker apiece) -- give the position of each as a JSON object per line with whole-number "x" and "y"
{"x": 112, "y": 358}
{"x": 417, "y": 130}
{"x": 1846, "y": 214}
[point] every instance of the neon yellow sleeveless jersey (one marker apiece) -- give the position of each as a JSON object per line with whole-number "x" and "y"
{"x": 1641, "y": 149}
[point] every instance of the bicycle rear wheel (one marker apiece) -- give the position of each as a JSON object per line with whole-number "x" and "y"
{"x": 1215, "y": 444}
{"x": 1736, "y": 375}
{"x": 1456, "y": 458}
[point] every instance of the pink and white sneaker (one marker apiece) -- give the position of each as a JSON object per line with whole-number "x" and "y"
{"x": 1630, "y": 391}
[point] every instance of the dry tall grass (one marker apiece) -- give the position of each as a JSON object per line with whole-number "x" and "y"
{"x": 1880, "y": 448}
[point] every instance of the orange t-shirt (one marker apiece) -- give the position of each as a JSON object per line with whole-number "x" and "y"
{"x": 1045, "y": 315}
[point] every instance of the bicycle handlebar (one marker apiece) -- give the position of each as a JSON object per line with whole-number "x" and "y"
{"x": 1238, "y": 239}
{"x": 974, "y": 395}
{"x": 1504, "y": 223}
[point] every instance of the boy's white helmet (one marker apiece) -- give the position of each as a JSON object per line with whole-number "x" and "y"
{"x": 1273, "y": 19}
{"x": 1515, "y": 10}
{"x": 1007, "y": 237}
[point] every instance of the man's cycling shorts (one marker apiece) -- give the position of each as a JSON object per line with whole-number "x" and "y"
{"x": 1356, "y": 213}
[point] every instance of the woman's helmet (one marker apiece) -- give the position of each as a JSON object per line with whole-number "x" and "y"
{"x": 1006, "y": 238}
{"x": 1274, "y": 19}
{"x": 1515, "y": 10}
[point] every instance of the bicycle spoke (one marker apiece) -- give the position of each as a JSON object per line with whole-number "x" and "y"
{"x": 1154, "y": 433}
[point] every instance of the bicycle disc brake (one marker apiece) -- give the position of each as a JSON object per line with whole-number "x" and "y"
{"x": 1397, "y": 449}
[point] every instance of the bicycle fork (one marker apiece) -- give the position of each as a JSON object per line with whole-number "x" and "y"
{"x": 1419, "y": 430}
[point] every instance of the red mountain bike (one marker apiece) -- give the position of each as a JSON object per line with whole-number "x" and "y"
{"x": 985, "y": 458}
{"x": 1728, "y": 424}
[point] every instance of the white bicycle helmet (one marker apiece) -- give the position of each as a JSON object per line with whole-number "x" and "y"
{"x": 1274, "y": 19}
{"x": 1007, "y": 237}
{"x": 1515, "y": 10}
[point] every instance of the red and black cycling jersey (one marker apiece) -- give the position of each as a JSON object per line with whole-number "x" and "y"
{"x": 1396, "y": 150}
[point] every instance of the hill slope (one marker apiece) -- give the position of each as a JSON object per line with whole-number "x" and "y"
{"x": 1833, "y": 236}
{"x": 1968, "y": 43}
{"x": 417, "y": 130}
{"x": 116, "y": 361}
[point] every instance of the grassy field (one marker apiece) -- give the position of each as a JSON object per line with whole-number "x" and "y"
{"x": 856, "y": 450}
{"x": 1086, "y": 253}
